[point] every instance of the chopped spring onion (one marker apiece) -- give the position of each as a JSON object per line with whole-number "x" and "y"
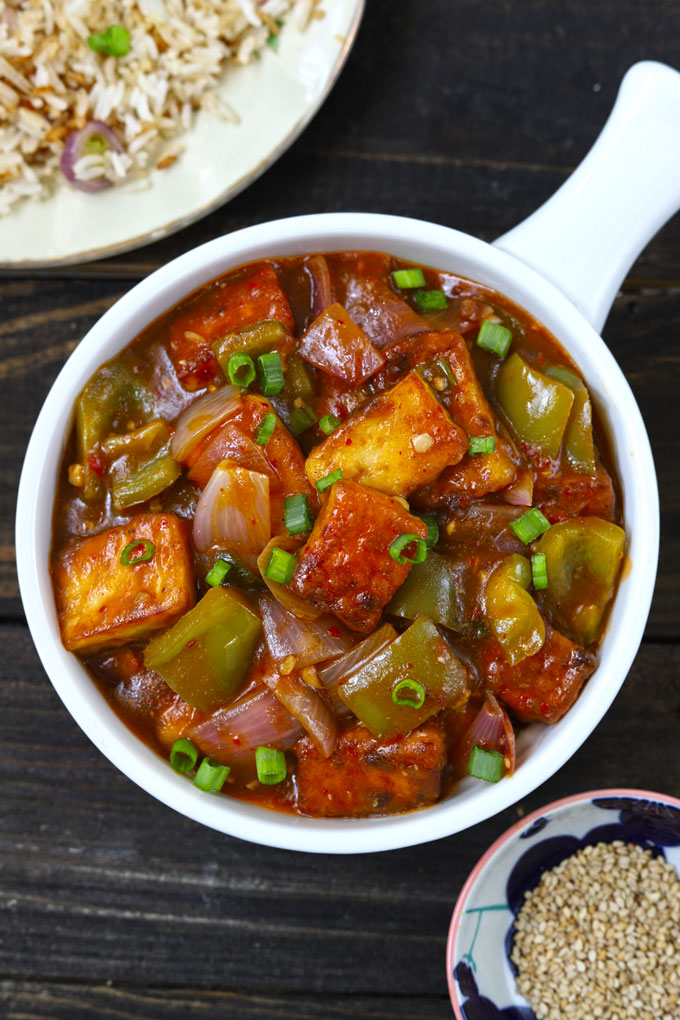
{"x": 530, "y": 525}
{"x": 281, "y": 566}
{"x": 296, "y": 514}
{"x": 481, "y": 444}
{"x": 241, "y": 369}
{"x": 211, "y": 776}
{"x": 137, "y": 551}
{"x": 183, "y": 755}
{"x": 270, "y": 765}
{"x": 431, "y": 300}
{"x": 265, "y": 429}
{"x": 444, "y": 367}
{"x": 325, "y": 483}
{"x": 301, "y": 419}
{"x": 487, "y": 765}
{"x": 400, "y": 543}
{"x": 270, "y": 374}
{"x": 414, "y": 699}
{"x": 406, "y": 278}
{"x": 217, "y": 573}
{"x": 114, "y": 42}
{"x": 432, "y": 529}
{"x": 494, "y": 338}
{"x": 329, "y": 423}
{"x": 539, "y": 571}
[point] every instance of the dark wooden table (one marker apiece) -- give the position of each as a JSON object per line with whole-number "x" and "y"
{"x": 469, "y": 113}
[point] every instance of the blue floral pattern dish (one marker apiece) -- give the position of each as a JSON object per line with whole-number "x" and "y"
{"x": 481, "y": 976}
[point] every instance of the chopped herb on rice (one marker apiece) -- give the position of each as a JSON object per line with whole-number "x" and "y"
{"x": 178, "y": 52}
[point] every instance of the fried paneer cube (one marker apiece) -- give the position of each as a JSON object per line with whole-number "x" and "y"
{"x": 543, "y": 687}
{"x": 103, "y": 603}
{"x": 398, "y": 442}
{"x": 346, "y": 566}
{"x": 365, "y": 776}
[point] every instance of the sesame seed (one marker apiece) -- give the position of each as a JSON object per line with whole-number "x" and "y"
{"x": 599, "y": 936}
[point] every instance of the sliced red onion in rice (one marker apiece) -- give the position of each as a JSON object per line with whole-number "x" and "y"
{"x": 94, "y": 139}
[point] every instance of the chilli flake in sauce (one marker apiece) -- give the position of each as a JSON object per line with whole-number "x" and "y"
{"x": 339, "y": 588}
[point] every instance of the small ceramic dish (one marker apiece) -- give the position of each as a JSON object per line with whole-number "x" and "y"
{"x": 480, "y": 975}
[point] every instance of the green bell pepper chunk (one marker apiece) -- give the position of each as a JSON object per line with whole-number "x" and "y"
{"x": 259, "y": 338}
{"x": 205, "y": 657}
{"x": 583, "y": 557}
{"x": 578, "y": 437}
{"x": 113, "y": 392}
{"x": 434, "y": 588}
{"x": 510, "y": 612}
{"x": 148, "y": 468}
{"x": 298, "y": 380}
{"x": 537, "y": 407}
{"x": 419, "y": 654}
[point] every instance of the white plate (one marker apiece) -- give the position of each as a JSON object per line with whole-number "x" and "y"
{"x": 275, "y": 97}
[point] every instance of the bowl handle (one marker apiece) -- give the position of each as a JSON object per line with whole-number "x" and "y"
{"x": 587, "y": 236}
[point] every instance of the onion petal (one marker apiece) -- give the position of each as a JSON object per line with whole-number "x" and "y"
{"x": 322, "y": 288}
{"x": 351, "y": 662}
{"x": 309, "y": 708}
{"x": 309, "y": 641}
{"x": 256, "y": 719}
{"x": 233, "y": 513}
{"x": 95, "y": 138}
{"x": 202, "y": 417}
{"x": 492, "y": 730}
{"x": 522, "y": 492}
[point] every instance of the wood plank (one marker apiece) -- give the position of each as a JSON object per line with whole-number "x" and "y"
{"x": 54, "y": 1001}
{"x": 100, "y": 882}
{"x": 44, "y": 319}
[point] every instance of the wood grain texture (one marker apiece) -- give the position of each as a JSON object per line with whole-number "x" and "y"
{"x": 100, "y": 882}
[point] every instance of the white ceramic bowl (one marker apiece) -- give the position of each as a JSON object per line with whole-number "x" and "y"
{"x": 541, "y": 750}
{"x": 480, "y": 975}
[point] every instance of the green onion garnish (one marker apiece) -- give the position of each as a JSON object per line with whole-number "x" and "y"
{"x": 270, "y": 374}
{"x": 416, "y": 698}
{"x": 325, "y": 483}
{"x": 114, "y": 42}
{"x": 481, "y": 444}
{"x": 431, "y": 300}
{"x": 281, "y": 566}
{"x": 494, "y": 338}
{"x": 329, "y": 423}
{"x": 400, "y": 543}
{"x": 241, "y": 370}
{"x": 486, "y": 765}
{"x": 265, "y": 429}
{"x": 296, "y": 514}
{"x": 443, "y": 365}
{"x": 137, "y": 551}
{"x": 301, "y": 419}
{"x": 211, "y": 776}
{"x": 539, "y": 571}
{"x": 183, "y": 755}
{"x": 406, "y": 278}
{"x": 217, "y": 573}
{"x": 270, "y": 765}
{"x": 530, "y": 525}
{"x": 432, "y": 529}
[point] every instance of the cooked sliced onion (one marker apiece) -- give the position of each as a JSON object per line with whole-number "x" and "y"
{"x": 493, "y": 731}
{"x": 288, "y": 599}
{"x": 309, "y": 641}
{"x": 309, "y": 708}
{"x": 522, "y": 492}
{"x": 256, "y": 719}
{"x": 322, "y": 288}
{"x": 351, "y": 662}
{"x": 202, "y": 417}
{"x": 233, "y": 512}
